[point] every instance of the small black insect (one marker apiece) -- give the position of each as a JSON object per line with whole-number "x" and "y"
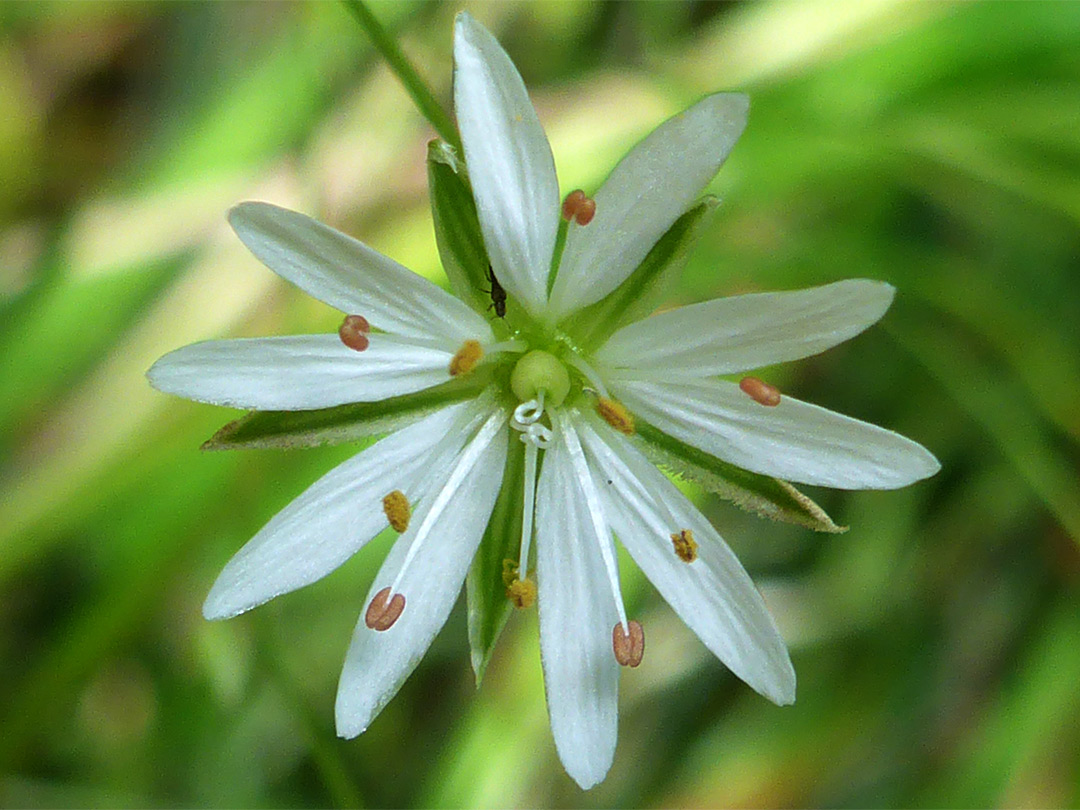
{"x": 497, "y": 293}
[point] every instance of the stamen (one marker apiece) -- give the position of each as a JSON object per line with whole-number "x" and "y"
{"x": 595, "y": 510}
{"x": 585, "y": 212}
{"x": 685, "y": 545}
{"x": 760, "y": 391}
{"x": 466, "y": 358}
{"x": 354, "y": 331}
{"x": 397, "y": 509}
{"x": 578, "y": 207}
{"x": 522, "y": 593}
{"x": 628, "y": 643}
{"x": 464, "y": 465}
{"x": 616, "y": 415}
{"x": 533, "y": 443}
{"x": 587, "y": 372}
{"x": 510, "y": 346}
{"x": 384, "y": 611}
{"x": 571, "y": 203}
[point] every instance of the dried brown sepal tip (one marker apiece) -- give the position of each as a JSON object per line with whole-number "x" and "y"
{"x": 760, "y": 391}
{"x": 685, "y": 545}
{"x": 521, "y": 593}
{"x": 354, "y": 332}
{"x": 466, "y": 358}
{"x": 384, "y": 611}
{"x": 615, "y": 415}
{"x": 628, "y": 644}
{"x": 578, "y": 207}
{"x": 397, "y": 510}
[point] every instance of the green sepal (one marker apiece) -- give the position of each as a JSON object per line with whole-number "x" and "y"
{"x": 344, "y": 423}
{"x": 761, "y": 494}
{"x": 457, "y": 226}
{"x": 648, "y": 286}
{"x": 488, "y": 607}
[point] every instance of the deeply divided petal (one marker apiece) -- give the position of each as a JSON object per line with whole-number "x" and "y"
{"x": 745, "y": 332}
{"x": 510, "y": 163}
{"x": 348, "y": 275}
{"x": 794, "y": 440}
{"x": 427, "y": 567}
{"x": 650, "y": 188}
{"x": 577, "y": 614}
{"x": 334, "y": 517}
{"x": 712, "y": 593}
{"x": 298, "y": 372}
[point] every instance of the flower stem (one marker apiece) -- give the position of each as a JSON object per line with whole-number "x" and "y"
{"x": 419, "y": 91}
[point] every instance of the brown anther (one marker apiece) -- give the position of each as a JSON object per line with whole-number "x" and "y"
{"x": 397, "y": 509}
{"x": 615, "y": 415}
{"x": 466, "y": 358}
{"x": 384, "y": 611}
{"x": 629, "y": 644}
{"x": 354, "y": 331}
{"x": 522, "y": 593}
{"x": 685, "y": 545}
{"x": 760, "y": 391}
{"x": 586, "y": 210}
{"x": 572, "y": 203}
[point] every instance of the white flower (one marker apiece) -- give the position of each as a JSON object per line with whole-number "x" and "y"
{"x": 573, "y": 404}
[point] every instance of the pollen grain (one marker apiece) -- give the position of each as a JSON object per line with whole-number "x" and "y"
{"x": 466, "y": 358}
{"x": 397, "y": 509}
{"x": 522, "y": 593}
{"x": 616, "y": 415}
{"x": 685, "y": 545}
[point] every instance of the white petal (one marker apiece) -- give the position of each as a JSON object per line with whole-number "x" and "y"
{"x": 794, "y": 441}
{"x": 334, "y": 517}
{"x": 748, "y": 331}
{"x": 713, "y": 595}
{"x": 297, "y": 372}
{"x": 449, "y": 527}
{"x": 348, "y": 275}
{"x": 510, "y": 163}
{"x": 577, "y": 614}
{"x": 650, "y": 188}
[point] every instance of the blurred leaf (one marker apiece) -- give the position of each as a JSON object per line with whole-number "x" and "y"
{"x": 993, "y": 400}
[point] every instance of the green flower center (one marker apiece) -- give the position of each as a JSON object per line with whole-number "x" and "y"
{"x": 540, "y": 371}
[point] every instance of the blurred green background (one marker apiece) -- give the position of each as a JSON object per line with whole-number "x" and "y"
{"x": 937, "y": 643}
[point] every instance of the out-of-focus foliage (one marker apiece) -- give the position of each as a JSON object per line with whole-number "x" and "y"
{"x": 937, "y": 643}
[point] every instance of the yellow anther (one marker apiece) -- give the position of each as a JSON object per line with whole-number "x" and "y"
{"x": 628, "y": 644}
{"x": 510, "y": 572}
{"x": 466, "y": 358}
{"x": 685, "y": 545}
{"x": 522, "y": 592}
{"x": 615, "y": 415}
{"x": 397, "y": 509}
{"x": 384, "y": 611}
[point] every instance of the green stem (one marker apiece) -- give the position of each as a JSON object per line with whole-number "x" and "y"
{"x": 421, "y": 94}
